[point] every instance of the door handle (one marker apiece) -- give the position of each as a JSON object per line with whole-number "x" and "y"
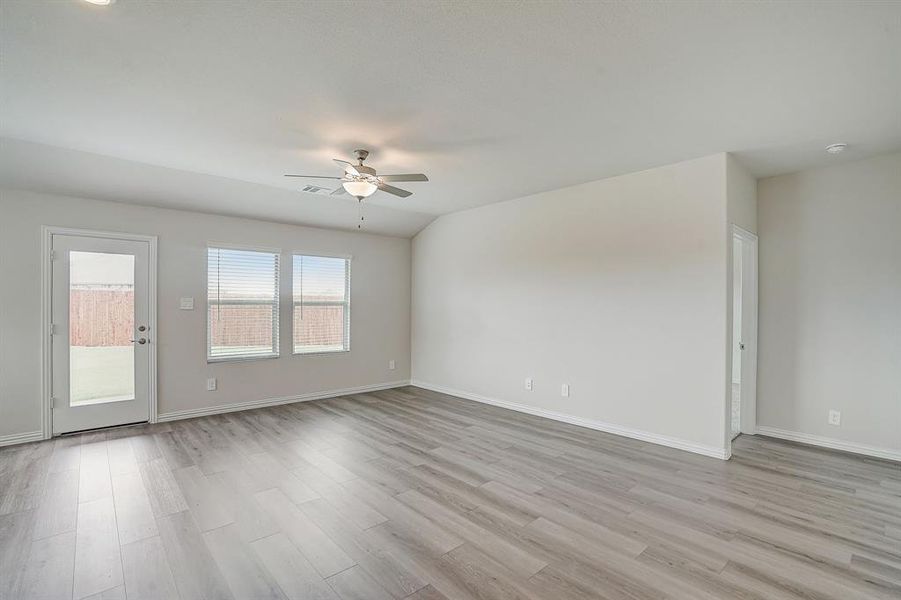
{"x": 139, "y": 340}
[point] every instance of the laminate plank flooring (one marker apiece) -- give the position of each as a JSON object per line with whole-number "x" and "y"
{"x": 414, "y": 495}
{"x": 134, "y": 517}
{"x": 147, "y": 572}
{"x": 98, "y": 563}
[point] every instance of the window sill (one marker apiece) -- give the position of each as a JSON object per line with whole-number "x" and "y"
{"x": 222, "y": 359}
{"x": 320, "y": 352}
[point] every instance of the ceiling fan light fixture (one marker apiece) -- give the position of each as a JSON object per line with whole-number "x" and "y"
{"x": 360, "y": 189}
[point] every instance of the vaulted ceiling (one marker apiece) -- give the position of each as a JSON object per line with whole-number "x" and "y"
{"x": 205, "y": 105}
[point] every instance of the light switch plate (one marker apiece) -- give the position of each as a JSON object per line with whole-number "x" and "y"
{"x": 186, "y": 304}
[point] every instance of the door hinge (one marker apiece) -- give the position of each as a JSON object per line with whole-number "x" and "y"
{"x": 52, "y": 402}
{"x": 52, "y": 255}
{"x": 53, "y": 329}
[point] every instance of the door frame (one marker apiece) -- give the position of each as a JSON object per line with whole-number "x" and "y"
{"x": 47, "y": 233}
{"x": 750, "y": 278}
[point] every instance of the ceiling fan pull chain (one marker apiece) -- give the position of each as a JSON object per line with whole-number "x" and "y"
{"x": 360, "y": 212}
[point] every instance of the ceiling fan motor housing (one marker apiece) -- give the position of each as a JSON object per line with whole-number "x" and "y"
{"x": 361, "y": 155}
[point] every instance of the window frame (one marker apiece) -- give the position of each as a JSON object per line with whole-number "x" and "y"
{"x": 348, "y": 261}
{"x": 276, "y": 322}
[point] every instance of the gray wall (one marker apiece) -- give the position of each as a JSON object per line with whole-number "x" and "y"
{"x": 830, "y": 302}
{"x": 380, "y": 313}
{"x": 617, "y": 287}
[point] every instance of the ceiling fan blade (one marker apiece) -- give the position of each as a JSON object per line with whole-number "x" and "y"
{"x": 338, "y": 191}
{"x": 348, "y": 167}
{"x": 314, "y": 176}
{"x": 404, "y": 177}
{"x": 394, "y": 190}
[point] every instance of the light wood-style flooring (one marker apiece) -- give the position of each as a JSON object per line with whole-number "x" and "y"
{"x": 408, "y": 493}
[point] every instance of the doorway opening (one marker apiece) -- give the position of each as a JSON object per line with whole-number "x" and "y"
{"x": 743, "y": 383}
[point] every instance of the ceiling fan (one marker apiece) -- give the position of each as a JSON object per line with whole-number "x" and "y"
{"x": 361, "y": 181}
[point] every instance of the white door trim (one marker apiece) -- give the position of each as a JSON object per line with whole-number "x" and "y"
{"x": 750, "y": 279}
{"x": 47, "y": 233}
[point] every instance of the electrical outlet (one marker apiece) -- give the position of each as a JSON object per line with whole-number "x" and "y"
{"x": 211, "y": 384}
{"x": 835, "y": 417}
{"x": 391, "y": 365}
{"x": 529, "y": 383}
{"x": 564, "y": 390}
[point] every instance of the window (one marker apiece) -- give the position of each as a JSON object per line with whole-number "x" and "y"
{"x": 321, "y": 304}
{"x": 242, "y": 304}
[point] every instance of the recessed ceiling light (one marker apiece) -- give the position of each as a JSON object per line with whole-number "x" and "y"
{"x": 101, "y": 2}
{"x": 836, "y": 148}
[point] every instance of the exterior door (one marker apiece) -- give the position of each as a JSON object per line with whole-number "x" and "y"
{"x": 100, "y": 305}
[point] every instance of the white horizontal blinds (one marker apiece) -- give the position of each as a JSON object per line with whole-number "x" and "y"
{"x": 242, "y": 303}
{"x": 321, "y": 304}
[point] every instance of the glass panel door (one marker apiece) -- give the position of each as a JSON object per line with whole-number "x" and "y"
{"x": 101, "y": 340}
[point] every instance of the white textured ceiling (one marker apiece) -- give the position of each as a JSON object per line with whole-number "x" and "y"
{"x": 493, "y": 100}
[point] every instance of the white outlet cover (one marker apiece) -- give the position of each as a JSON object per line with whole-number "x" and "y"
{"x": 529, "y": 383}
{"x": 391, "y": 365}
{"x": 211, "y": 384}
{"x": 835, "y": 417}
{"x": 186, "y": 303}
{"x": 564, "y": 390}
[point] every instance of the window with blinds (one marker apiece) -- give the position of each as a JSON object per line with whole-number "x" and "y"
{"x": 321, "y": 304}
{"x": 242, "y": 304}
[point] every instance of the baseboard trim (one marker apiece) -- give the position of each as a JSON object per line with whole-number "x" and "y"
{"x": 831, "y": 443}
{"x": 239, "y": 406}
{"x": 21, "y": 438}
{"x": 645, "y": 436}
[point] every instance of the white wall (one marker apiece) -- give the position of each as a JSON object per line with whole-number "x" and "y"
{"x": 617, "y": 287}
{"x": 380, "y": 301}
{"x": 830, "y": 302}
{"x": 741, "y": 196}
